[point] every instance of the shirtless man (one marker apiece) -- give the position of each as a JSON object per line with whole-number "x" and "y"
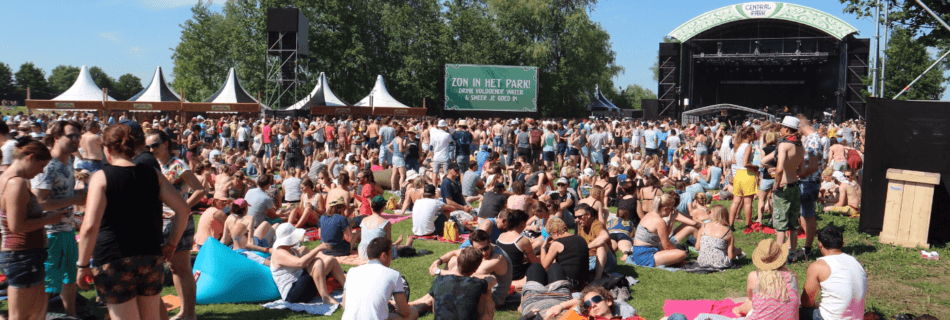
{"x": 373, "y": 132}
{"x": 497, "y": 134}
{"x": 849, "y": 194}
{"x": 90, "y": 148}
{"x": 786, "y": 192}
{"x": 342, "y": 189}
{"x": 495, "y": 265}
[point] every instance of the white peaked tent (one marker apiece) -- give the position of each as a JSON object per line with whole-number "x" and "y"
{"x": 320, "y": 96}
{"x": 84, "y": 89}
{"x": 157, "y": 90}
{"x": 381, "y": 97}
{"x": 232, "y": 92}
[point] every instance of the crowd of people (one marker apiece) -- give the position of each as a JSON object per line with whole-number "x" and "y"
{"x": 519, "y": 187}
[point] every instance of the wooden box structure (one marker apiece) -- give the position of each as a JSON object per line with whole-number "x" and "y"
{"x": 66, "y": 106}
{"x": 907, "y": 212}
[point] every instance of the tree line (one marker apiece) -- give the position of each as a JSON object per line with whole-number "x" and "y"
{"x": 13, "y": 84}
{"x": 408, "y": 43}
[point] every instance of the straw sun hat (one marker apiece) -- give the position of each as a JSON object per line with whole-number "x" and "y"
{"x": 769, "y": 255}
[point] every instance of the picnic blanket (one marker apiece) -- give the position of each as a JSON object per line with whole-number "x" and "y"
{"x": 315, "y": 306}
{"x": 462, "y": 238}
{"x": 395, "y": 218}
{"x": 665, "y": 268}
{"x": 353, "y": 259}
{"x": 312, "y": 234}
{"x": 695, "y": 267}
{"x": 758, "y": 227}
{"x": 693, "y": 308}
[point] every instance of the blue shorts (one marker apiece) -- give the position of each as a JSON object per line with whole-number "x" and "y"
{"x": 548, "y": 156}
{"x": 562, "y": 148}
{"x": 91, "y": 165}
{"x": 24, "y": 268}
{"x": 643, "y": 256}
{"x": 62, "y": 254}
{"x": 766, "y": 184}
{"x": 809, "y": 197}
{"x": 610, "y": 266}
{"x": 399, "y": 161}
{"x": 596, "y": 156}
{"x": 625, "y": 140}
{"x": 620, "y": 236}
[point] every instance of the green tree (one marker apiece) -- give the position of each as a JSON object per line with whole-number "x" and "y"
{"x": 127, "y": 86}
{"x": 7, "y": 86}
{"x": 909, "y": 15}
{"x": 907, "y": 59}
{"x": 29, "y": 76}
{"x": 62, "y": 77}
{"x": 102, "y": 80}
{"x": 634, "y": 94}
{"x": 202, "y": 57}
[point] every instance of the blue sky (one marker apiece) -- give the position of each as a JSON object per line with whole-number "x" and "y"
{"x": 134, "y": 36}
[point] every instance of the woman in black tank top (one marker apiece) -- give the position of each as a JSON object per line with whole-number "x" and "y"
{"x": 567, "y": 251}
{"x": 124, "y": 207}
{"x": 514, "y": 244}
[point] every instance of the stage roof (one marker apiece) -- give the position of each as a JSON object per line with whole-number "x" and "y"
{"x": 724, "y": 106}
{"x": 381, "y": 97}
{"x": 156, "y": 91}
{"x": 320, "y": 96}
{"x": 232, "y": 91}
{"x": 84, "y": 89}
{"x": 764, "y": 10}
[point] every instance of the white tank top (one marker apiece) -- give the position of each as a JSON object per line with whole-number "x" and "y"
{"x": 737, "y": 158}
{"x": 285, "y": 277}
{"x": 843, "y": 293}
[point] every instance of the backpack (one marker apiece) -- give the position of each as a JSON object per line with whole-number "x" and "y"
{"x": 854, "y": 159}
{"x": 535, "y": 137}
{"x": 450, "y": 231}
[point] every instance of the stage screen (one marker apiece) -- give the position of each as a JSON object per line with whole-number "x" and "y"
{"x": 491, "y": 88}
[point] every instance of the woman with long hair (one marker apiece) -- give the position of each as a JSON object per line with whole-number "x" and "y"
{"x": 22, "y": 223}
{"x": 651, "y": 243}
{"x": 647, "y": 193}
{"x": 398, "y": 149}
{"x": 369, "y": 190}
{"x": 744, "y": 182}
{"x": 293, "y": 146}
{"x": 122, "y": 231}
{"x": 769, "y": 145}
{"x": 772, "y": 289}
{"x": 596, "y": 201}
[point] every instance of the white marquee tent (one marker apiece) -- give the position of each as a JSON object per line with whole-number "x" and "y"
{"x": 321, "y": 96}
{"x": 84, "y": 89}
{"x": 380, "y": 96}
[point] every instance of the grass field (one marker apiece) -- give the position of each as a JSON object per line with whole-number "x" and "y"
{"x": 899, "y": 280}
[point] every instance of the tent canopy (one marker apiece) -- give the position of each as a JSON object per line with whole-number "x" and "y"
{"x": 600, "y": 95}
{"x": 817, "y": 19}
{"x": 321, "y": 95}
{"x": 84, "y": 89}
{"x": 232, "y": 91}
{"x": 157, "y": 90}
{"x": 695, "y": 113}
{"x": 380, "y": 96}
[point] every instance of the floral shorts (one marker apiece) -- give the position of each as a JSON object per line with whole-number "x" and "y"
{"x": 121, "y": 280}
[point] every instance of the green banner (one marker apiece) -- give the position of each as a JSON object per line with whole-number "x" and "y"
{"x": 491, "y": 88}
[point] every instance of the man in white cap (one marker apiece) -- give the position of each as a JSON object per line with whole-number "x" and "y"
{"x": 786, "y": 193}
{"x": 439, "y": 142}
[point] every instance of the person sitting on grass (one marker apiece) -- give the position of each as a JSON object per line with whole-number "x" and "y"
{"x": 839, "y": 277}
{"x": 307, "y": 213}
{"x": 211, "y": 223}
{"x": 516, "y": 246}
{"x": 367, "y": 294}
{"x": 460, "y": 292}
{"x": 716, "y": 241}
{"x": 651, "y": 243}
{"x": 375, "y": 226}
{"x": 600, "y": 258}
{"x": 430, "y": 214}
{"x": 246, "y": 244}
{"x": 334, "y": 229}
{"x": 620, "y": 228}
{"x": 849, "y": 195}
{"x": 772, "y": 289}
{"x": 534, "y": 228}
{"x": 565, "y": 251}
{"x": 495, "y": 264}
{"x": 301, "y": 274}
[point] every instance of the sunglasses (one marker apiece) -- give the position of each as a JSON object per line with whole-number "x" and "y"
{"x": 484, "y": 249}
{"x": 154, "y": 145}
{"x": 593, "y": 300}
{"x": 73, "y": 135}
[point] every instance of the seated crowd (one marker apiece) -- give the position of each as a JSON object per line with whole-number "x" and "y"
{"x": 534, "y": 197}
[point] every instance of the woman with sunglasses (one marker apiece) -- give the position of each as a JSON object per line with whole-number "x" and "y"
{"x": 598, "y": 304}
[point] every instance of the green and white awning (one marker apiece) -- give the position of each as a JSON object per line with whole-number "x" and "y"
{"x": 764, "y": 10}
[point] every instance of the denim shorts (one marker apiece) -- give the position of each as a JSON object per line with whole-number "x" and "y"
{"x": 548, "y": 156}
{"x": 643, "y": 256}
{"x": 766, "y": 184}
{"x": 187, "y": 238}
{"x": 24, "y": 268}
{"x": 809, "y": 197}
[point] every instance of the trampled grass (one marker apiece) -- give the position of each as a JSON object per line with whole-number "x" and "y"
{"x": 899, "y": 280}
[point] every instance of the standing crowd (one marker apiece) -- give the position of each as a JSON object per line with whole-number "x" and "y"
{"x": 533, "y": 195}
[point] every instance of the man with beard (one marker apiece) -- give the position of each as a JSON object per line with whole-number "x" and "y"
{"x": 55, "y": 191}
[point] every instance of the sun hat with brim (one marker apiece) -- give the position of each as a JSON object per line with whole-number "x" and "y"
{"x": 790, "y": 122}
{"x": 769, "y": 255}
{"x": 336, "y": 202}
{"x": 288, "y": 235}
{"x": 411, "y": 175}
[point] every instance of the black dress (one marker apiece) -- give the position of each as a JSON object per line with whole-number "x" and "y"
{"x": 294, "y": 154}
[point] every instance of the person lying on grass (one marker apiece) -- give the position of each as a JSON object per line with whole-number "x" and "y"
{"x": 620, "y": 229}
{"x": 367, "y": 294}
{"x": 244, "y": 243}
{"x": 301, "y": 274}
{"x": 461, "y": 292}
{"x": 494, "y": 263}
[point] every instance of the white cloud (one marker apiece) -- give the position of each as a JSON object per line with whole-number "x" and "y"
{"x": 111, "y": 36}
{"x": 167, "y": 4}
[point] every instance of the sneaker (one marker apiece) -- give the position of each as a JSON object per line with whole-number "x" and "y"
{"x": 795, "y": 256}
{"x": 741, "y": 256}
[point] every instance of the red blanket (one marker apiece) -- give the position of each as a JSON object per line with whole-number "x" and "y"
{"x": 692, "y": 308}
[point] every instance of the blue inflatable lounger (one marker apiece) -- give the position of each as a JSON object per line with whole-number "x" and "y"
{"x": 225, "y": 276}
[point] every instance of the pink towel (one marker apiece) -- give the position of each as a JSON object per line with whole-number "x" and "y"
{"x": 395, "y": 218}
{"x": 692, "y": 308}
